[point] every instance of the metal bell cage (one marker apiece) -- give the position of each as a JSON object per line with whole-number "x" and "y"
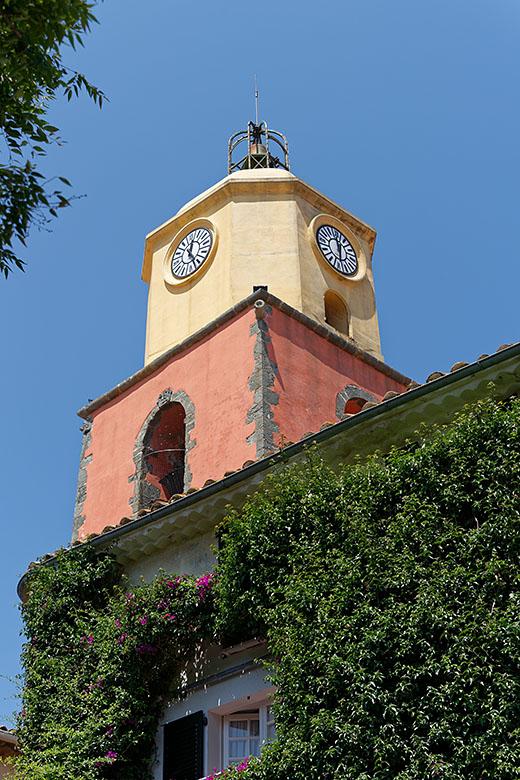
{"x": 258, "y": 137}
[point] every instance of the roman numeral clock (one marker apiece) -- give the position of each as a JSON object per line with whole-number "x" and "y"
{"x": 337, "y": 249}
{"x": 190, "y": 252}
{"x": 260, "y": 227}
{"x": 335, "y": 244}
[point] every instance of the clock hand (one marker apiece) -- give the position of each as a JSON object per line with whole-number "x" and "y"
{"x": 188, "y": 250}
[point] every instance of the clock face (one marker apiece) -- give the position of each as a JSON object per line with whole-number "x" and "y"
{"x": 337, "y": 250}
{"x": 191, "y": 252}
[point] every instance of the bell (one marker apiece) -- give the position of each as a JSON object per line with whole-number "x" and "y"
{"x": 257, "y": 157}
{"x": 256, "y": 149}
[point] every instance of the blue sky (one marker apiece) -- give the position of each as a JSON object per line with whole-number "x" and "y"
{"x": 405, "y": 112}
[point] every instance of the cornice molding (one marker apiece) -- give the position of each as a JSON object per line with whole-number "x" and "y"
{"x": 380, "y": 427}
{"x": 377, "y": 427}
{"x": 240, "y": 185}
{"x": 246, "y": 303}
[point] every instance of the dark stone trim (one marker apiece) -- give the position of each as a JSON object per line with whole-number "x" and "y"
{"x": 348, "y": 392}
{"x": 373, "y": 414}
{"x": 321, "y": 330}
{"x": 81, "y": 493}
{"x": 261, "y": 384}
{"x": 144, "y": 492}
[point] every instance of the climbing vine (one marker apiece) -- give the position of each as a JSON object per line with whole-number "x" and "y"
{"x": 389, "y": 593}
{"x": 96, "y": 657}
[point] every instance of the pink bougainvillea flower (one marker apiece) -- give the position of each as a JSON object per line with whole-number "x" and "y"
{"x": 145, "y": 649}
{"x": 204, "y": 584}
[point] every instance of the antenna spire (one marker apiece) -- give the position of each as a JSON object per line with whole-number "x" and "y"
{"x": 256, "y": 101}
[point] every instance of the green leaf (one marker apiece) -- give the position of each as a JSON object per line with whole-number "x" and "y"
{"x": 32, "y": 37}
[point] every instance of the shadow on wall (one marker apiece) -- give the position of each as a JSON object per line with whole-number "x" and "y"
{"x": 165, "y": 451}
{"x": 336, "y": 312}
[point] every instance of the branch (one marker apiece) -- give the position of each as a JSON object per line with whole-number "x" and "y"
{"x": 11, "y": 25}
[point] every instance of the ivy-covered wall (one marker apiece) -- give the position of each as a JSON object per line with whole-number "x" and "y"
{"x": 390, "y": 596}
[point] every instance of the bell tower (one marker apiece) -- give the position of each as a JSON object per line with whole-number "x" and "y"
{"x": 261, "y": 327}
{"x": 261, "y": 226}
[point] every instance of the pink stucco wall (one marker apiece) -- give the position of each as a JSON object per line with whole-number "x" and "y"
{"x": 311, "y": 372}
{"x": 215, "y": 373}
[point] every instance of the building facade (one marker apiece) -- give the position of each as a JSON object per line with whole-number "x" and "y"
{"x": 262, "y": 337}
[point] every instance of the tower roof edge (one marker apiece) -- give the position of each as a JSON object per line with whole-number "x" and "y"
{"x": 276, "y": 181}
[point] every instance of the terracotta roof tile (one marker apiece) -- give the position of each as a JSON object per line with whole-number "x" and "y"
{"x": 390, "y": 394}
{"x": 457, "y": 365}
{"x": 177, "y": 496}
{"x": 326, "y": 425}
{"x": 157, "y": 504}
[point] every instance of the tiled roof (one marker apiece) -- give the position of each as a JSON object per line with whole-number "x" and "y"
{"x": 8, "y": 736}
{"x": 436, "y": 378}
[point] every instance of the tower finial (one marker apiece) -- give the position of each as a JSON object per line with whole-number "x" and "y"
{"x": 256, "y": 101}
{"x": 257, "y": 138}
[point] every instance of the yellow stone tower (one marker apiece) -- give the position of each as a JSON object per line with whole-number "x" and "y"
{"x": 260, "y": 226}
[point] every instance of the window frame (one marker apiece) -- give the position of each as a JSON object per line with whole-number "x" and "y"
{"x": 264, "y": 709}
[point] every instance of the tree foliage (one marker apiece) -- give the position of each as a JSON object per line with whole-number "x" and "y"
{"x": 390, "y": 596}
{"x": 33, "y": 35}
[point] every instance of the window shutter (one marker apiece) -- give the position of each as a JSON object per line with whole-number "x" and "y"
{"x": 182, "y": 757}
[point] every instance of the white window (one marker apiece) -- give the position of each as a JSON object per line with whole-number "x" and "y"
{"x": 245, "y": 732}
{"x": 270, "y": 727}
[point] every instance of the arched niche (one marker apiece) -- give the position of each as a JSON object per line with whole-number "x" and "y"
{"x": 351, "y": 399}
{"x": 165, "y": 453}
{"x": 161, "y": 468}
{"x": 336, "y": 312}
